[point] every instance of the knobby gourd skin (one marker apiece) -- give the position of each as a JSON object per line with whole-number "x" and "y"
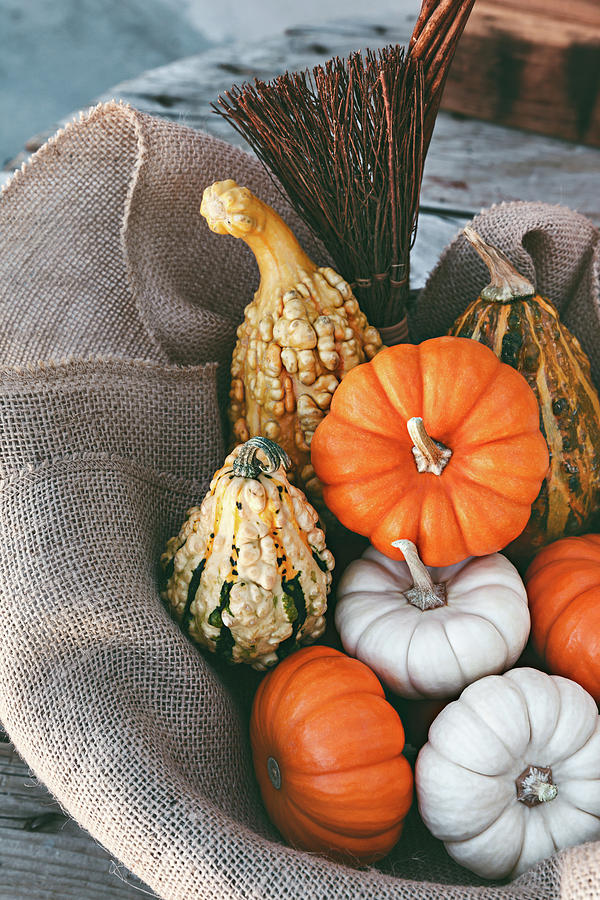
{"x": 301, "y": 334}
{"x": 511, "y": 772}
{"x": 249, "y": 573}
{"x": 327, "y": 750}
{"x": 438, "y": 443}
{"x": 563, "y": 584}
{"x": 524, "y": 331}
{"x": 430, "y": 633}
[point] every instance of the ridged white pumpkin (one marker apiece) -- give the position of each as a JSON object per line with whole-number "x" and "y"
{"x": 429, "y": 632}
{"x": 511, "y": 772}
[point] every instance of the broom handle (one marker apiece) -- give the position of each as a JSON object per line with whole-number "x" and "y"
{"x": 433, "y": 42}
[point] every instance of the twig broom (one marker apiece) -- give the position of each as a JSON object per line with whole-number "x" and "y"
{"x": 348, "y": 142}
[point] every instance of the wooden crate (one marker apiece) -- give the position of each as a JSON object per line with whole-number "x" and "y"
{"x": 533, "y": 64}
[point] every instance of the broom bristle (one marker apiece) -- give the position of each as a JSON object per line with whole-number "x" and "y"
{"x": 348, "y": 141}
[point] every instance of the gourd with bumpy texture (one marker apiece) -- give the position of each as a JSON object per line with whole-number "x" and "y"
{"x": 524, "y": 330}
{"x": 327, "y": 750}
{"x": 249, "y": 573}
{"x": 511, "y": 772}
{"x": 429, "y": 633}
{"x": 439, "y": 443}
{"x": 563, "y": 584}
{"x": 301, "y": 334}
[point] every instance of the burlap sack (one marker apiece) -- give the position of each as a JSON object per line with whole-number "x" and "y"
{"x": 557, "y": 249}
{"x": 116, "y": 304}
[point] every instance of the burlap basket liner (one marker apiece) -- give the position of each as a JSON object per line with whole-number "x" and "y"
{"x": 118, "y": 311}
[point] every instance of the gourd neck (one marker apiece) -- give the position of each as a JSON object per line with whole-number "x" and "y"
{"x": 535, "y": 786}
{"x": 424, "y": 594}
{"x": 231, "y": 209}
{"x": 430, "y": 455}
{"x": 506, "y": 283}
{"x": 280, "y": 258}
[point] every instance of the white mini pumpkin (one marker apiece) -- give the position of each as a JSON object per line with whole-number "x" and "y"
{"x": 429, "y": 632}
{"x": 511, "y": 772}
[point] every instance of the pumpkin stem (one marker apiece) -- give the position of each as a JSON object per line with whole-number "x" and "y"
{"x": 507, "y": 284}
{"x": 247, "y": 463}
{"x": 535, "y": 786}
{"x": 424, "y": 594}
{"x": 430, "y": 456}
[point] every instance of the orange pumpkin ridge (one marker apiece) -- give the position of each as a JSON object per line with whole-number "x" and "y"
{"x": 563, "y": 586}
{"x": 492, "y": 459}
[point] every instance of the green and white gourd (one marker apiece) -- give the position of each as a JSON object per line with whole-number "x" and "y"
{"x": 248, "y": 575}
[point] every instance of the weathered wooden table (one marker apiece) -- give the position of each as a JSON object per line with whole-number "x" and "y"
{"x": 471, "y": 165}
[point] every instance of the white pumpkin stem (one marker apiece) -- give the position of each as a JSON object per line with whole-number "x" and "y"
{"x": 507, "y": 284}
{"x": 424, "y": 594}
{"x": 430, "y": 456}
{"x": 535, "y": 786}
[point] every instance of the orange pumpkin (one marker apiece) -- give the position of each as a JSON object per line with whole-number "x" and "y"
{"x": 563, "y": 586}
{"x": 327, "y": 749}
{"x": 438, "y": 443}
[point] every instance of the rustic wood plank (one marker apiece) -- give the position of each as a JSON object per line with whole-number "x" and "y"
{"x": 471, "y": 164}
{"x": 581, "y": 11}
{"x": 531, "y": 66}
{"x": 43, "y": 853}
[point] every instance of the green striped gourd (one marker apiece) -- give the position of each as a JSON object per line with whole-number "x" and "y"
{"x": 248, "y": 575}
{"x": 524, "y": 330}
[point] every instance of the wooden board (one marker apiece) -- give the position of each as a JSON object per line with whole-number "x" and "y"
{"x": 471, "y": 163}
{"x": 532, "y": 65}
{"x": 44, "y": 855}
{"x": 582, "y": 12}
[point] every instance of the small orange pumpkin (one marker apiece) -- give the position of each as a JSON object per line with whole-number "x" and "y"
{"x": 563, "y": 586}
{"x": 327, "y": 749}
{"x": 439, "y": 443}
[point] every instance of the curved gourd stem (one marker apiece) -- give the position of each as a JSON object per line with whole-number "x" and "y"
{"x": 430, "y": 456}
{"x": 507, "y": 284}
{"x": 424, "y": 594}
{"x": 248, "y": 465}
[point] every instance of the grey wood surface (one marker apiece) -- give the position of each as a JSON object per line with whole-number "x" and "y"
{"x": 44, "y": 855}
{"x": 470, "y": 165}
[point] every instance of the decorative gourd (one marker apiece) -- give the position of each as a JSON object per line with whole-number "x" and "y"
{"x": 563, "y": 584}
{"x": 524, "y": 331}
{"x": 438, "y": 442}
{"x": 327, "y": 750}
{"x": 248, "y": 574}
{"x": 301, "y": 334}
{"x": 511, "y": 772}
{"x": 429, "y": 633}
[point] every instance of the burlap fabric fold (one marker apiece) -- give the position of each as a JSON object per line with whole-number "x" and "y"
{"x": 118, "y": 309}
{"x": 557, "y": 249}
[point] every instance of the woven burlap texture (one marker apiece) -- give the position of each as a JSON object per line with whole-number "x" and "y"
{"x": 557, "y": 249}
{"x": 117, "y": 306}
